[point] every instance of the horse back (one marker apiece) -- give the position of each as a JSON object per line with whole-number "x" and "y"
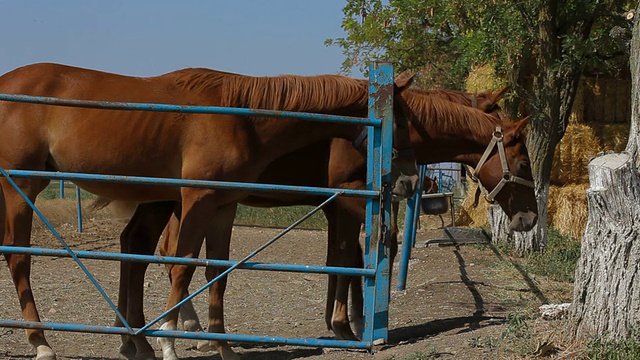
{"x": 62, "y": 138}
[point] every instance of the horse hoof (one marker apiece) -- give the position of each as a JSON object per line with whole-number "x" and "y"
{"x": 44, "y": 352}
{"x": 204, "y": 346}
{"x": 227, "y": 354}
{"x": 128, "y": 351}
{"x": 191, "y": 325}
{"x": 343, "y": 332}
{"x": 359, "y": 326}
{"x": 146, "y": 356}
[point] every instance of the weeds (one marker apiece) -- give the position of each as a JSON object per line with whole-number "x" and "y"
{"x": 558, "y": 261}
{"x": 432, "y": 354}
{"x": 627, "y": 349}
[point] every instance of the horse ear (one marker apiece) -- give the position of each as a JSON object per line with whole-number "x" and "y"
{"x": 403, "y": 84}
{"x": 497, "y": 96}
{"x": 519, "y": 127}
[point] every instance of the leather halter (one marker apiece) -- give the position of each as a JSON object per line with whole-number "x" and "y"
{"x": 507, "y": 177}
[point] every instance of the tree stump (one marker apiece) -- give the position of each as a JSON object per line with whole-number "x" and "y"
{"x": 607, "y": 286}
{"x": 523, "y": 242}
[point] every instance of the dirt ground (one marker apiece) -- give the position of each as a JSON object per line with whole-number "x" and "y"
{"x": 455, "y": 297}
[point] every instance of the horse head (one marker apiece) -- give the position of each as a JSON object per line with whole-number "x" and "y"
{"x": 504, "y": 175}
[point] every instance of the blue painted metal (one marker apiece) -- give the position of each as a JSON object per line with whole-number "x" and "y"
{"x": 66, "y": 247}
{"x": 376, "y": 299}
{"x": 141, "y": 180}
{"x": 411, "y": 219}
{"x": 245, "y": 259}
{"x": 153, "y": 259}
{"x": 378, "y": 197}
{"x": 96, "y": 329}
{"x": 79, "y": 207}
{"x": 61, "y": 184}
{"x": 115, "y": 105}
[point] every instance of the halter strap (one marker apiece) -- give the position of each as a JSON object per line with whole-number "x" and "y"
{"x": 507, "y": 177}
{"x": 407, "y": 152}
{"x": 357, "y": 143}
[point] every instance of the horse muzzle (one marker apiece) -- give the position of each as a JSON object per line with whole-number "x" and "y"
{"x": 405, "y": 186}
{"x": 523, "y": 221}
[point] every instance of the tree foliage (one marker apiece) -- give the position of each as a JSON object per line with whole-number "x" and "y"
{"x": 539, "y": 47}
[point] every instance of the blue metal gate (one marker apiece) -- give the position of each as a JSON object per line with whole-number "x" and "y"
{"x": 376, "y": 271}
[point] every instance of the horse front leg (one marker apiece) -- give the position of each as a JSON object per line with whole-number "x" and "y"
{"x": 346, "y": 250}
{"x": 357, "y": 294}
{"x": 139, "y": 237}
{"x": 17, "y": 232}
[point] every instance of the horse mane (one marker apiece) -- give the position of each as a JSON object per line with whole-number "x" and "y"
{"x": 447, "y": 117}
{"x": 455, "y": 96}
{"x": 285, "y": 92}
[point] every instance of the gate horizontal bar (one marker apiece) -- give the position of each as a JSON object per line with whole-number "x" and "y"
{"x": 143, "y": 180}
{"x": 117, "y": 105}
{"x": 97, "y": 329}
{"x": 98, "y": 255}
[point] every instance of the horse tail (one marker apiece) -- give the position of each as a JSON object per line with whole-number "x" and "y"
{"x": 123, "y": 210}
{"x": 99, "y": 203}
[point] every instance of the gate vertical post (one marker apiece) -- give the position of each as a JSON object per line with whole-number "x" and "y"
{"x": 376, "y": 299}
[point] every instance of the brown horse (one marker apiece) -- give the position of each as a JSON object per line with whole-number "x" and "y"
{"x": 467, "y": 129}
{"x": 336, "y": 165}
{"x": 170, "y": 145}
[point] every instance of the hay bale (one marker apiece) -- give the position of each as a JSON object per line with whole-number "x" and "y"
{"x": 469, "y": 215}
{"x": 614, "y": 137}
{"x": 567, "y": 209}
{"x": 572, "y": 155}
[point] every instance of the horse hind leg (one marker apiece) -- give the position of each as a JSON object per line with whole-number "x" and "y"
{"x": 140, "y": 237}
{"x": 17, "y": 232}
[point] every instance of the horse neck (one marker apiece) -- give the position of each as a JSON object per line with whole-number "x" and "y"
{"x": 282, "y": 136}
{"x": 443, "y": 131}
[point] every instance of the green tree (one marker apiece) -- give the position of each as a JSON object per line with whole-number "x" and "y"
{"x": 539, "y": 47}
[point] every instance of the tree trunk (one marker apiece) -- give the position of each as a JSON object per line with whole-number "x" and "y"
{"x": 554, "y": 88}
{"x": 522, "y": 242}
{"x": 606, "y": 295}
{"x": 606, "y": 290}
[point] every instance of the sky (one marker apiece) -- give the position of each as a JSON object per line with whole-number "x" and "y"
{"x": 151, "y": 37}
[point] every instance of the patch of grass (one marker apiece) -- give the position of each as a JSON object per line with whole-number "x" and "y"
{"x": 52, "y": 191}
{"x": 517, "y": 336}
{"x": 280, "y": 217}
{"x": 431, "y": 354}
{"x": 480, "y": 342}
{"x": 558, "y": 261}
{"x": 599, "y": 349}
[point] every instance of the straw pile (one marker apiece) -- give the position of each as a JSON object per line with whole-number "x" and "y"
{"x": 469, "y": 215}
{"x": 573, "y": 153}
{"x": 568, "y": 211}
{"x": 614, "y": 137}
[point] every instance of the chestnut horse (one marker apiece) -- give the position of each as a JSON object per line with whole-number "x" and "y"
{"x": 457, "y": 133}
{"x": 340, "y": 167}
{"x": 169, "y": 145}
